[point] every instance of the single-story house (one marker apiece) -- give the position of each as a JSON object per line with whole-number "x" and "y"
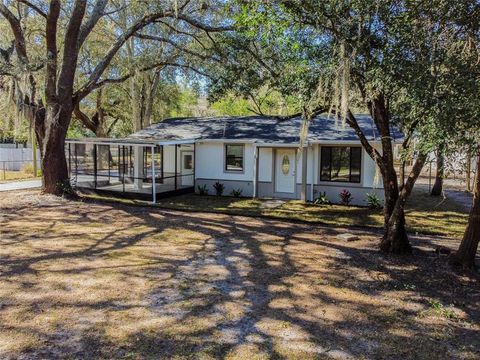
{"x": 261, "y": 156}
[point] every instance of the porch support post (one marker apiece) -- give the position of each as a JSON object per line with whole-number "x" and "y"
{"x": 303, "y": 193}
{"x": 176, "y": 166}
{"x": 95, "y": 166}
{"x": 138, "y": 167}
{"x": 312, "y": 165}
{"x": 255, "y": 171}
{"x": 154, "y": 189}
{"x": 194, "y": 165}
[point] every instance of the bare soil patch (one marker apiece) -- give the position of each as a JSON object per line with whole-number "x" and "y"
{"x": 102, "y": 280}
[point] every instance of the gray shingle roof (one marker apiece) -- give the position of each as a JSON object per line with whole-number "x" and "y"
{"x": 267, "y": 129}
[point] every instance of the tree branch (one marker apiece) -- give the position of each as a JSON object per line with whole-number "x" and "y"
{"x": 17, "y": 33}
{"x": 203, "y": 26}
{"x": 178, "y": 31}
{"x": 374, "y": 154}
{"x": 412, "y": 177}
{"x": 87, "y": 27}
{"x": 33, "y": 7}
{"x": 175, "y": 45}
{"x": 317, "y": 111}
{"x": 70, "y": 50}
{"x": 146, "y": 68}
{"x": 51, "y": 41}
{"x": 84, "y": 119}
{"x": 103, "y": 64}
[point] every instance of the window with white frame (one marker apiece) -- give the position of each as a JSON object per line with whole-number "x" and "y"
{"x": 234, "y": 154}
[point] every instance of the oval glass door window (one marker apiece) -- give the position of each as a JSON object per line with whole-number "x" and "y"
{"x": 285, "y": 165}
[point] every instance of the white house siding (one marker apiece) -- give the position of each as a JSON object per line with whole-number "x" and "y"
{"x": 169, "y": 157}
{"x": 210, "y": 162}
{"x": 210, "y": 168}
{"x": 369, "y": 168}
{"x": 265, "y": 164}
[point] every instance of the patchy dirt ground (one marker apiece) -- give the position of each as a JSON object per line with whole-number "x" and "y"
{"x": 86, "y": 280}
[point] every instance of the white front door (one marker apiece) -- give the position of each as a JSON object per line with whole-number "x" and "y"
{"x": 187, "y": 168}
{"x": 285, "y": 171}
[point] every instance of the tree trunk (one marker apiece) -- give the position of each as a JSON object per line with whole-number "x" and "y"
{"x": 438, "y": 185}
{"x": 468, "y": 170}
{"x": 402, "y": 173}
{"x": 150, "y": 97}
{"x": 465, "y": 256}
{"x": 54, "y": 164}
{"x": 395, "y": 238}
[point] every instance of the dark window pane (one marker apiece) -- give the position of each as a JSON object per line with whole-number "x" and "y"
{"x": 234, "y": 157}
{"x": 188, "y": 162}
{"x": 325, "y": 163}
{"x": 355, "y": 161}
{"x": 340, "y": 164}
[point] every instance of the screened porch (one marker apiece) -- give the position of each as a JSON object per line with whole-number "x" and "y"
{"x": 138, "y": 170}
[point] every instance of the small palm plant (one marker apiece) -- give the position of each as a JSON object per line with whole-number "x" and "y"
{"x": 219, "y": 188}
{"x": 237, "y": 193}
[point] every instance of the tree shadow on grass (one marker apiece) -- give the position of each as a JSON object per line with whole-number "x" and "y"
{"x": 245, "y": 287}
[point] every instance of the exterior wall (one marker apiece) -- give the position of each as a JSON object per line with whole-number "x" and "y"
{"x": 210, "y": 165}
{"x": 265, "y": 165}
{"x": 169, "y": 157}
{"x": 358, "y": 193}
{"x": 230, "y": 185}
{"x": 369, "y": 168}
{"x": 210, "y": 168}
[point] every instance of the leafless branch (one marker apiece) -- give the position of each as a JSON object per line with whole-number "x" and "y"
{"x": 33, "y": 7}
{"x": 175, "y": 45}
{"x": 374, "y": 154}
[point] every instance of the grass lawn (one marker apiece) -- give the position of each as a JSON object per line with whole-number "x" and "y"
{"x": 103, "y": 280}
{"x": 6, "y": 176}
{"x": 425, "y": 214}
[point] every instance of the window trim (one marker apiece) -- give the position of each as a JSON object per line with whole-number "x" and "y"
{"x": 225, "y": 170}
{"x": 349, "y": 181}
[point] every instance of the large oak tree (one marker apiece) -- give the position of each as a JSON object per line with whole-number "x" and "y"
{"x": 66, "y": 29}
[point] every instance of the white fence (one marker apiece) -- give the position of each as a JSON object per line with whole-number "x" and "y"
{"x": 12, "y": 146}
{"x": 15, "y": 159}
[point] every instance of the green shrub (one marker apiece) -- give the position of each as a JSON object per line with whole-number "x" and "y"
{"x": 322, "y": 199}
{"x": 202, "y": 190}
{"x": 219, "y": 188}
{"x": 237, "y": 192}
{"x": 373, "y": 201}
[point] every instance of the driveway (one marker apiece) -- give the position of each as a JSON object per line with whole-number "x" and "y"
{"x": 21, "y": 185}
{"x": 463, "y": 198}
